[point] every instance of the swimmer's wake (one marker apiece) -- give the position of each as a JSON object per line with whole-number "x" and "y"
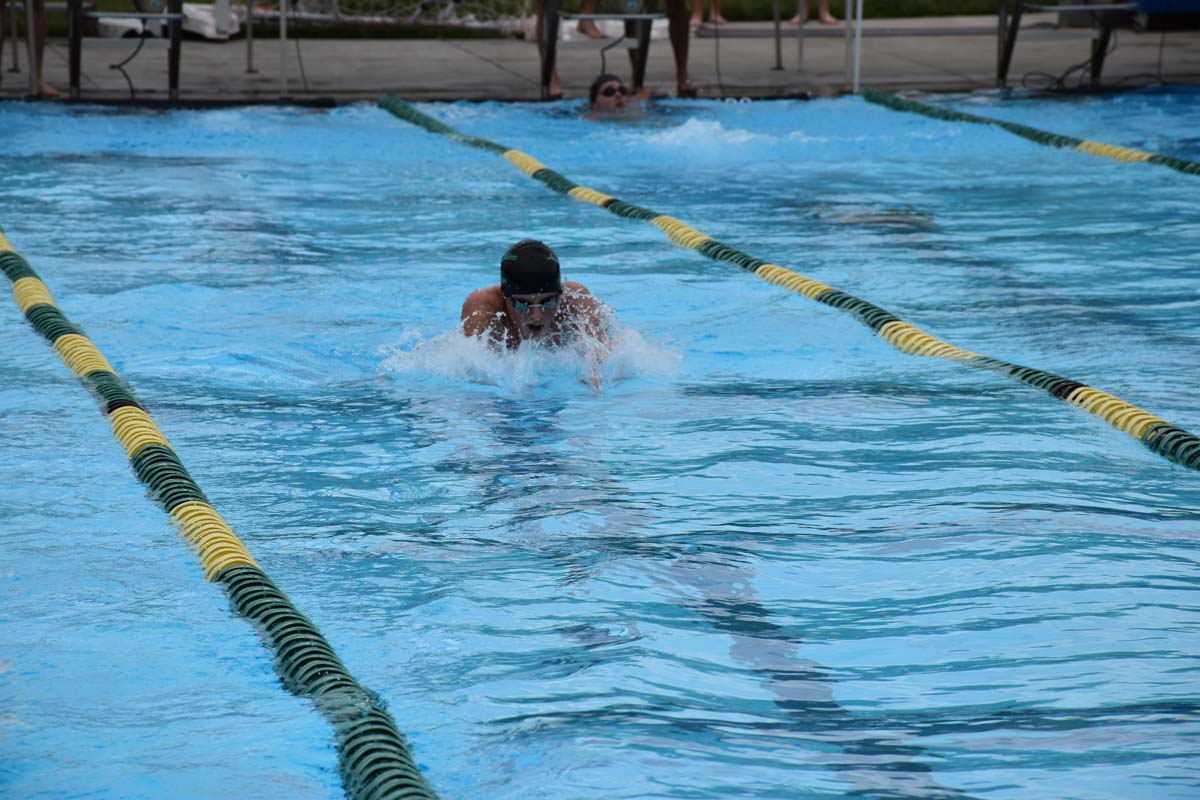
{"x": 532, "y": 365}
{"x": 1156, "y": 433}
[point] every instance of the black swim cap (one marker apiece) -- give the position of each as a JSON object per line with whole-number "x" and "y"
{"x": 529, "y": 267}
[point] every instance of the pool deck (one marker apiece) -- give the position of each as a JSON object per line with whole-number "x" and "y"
{"x": 948, "y": 54}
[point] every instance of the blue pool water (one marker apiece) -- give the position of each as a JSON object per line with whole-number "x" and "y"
{"x": 772, "y": 558}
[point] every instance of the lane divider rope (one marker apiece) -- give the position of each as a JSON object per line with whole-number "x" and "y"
{"x": 1033, "y": 134}
{"x": 1160, "y": 436}
{"x": 374, "y": 758}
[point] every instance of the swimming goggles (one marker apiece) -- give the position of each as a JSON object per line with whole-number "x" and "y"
{"x": 609, "y": 91}
{"x": 549, "y": 304}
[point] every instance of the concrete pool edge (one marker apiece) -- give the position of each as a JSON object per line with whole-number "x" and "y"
{"x": 960, "y": 57}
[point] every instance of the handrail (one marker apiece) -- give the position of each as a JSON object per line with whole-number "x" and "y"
{"x": 134, "y": 15}
{"x": 1068, "y": 9}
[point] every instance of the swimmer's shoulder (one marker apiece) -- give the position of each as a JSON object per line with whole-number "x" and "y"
{"x": 487, "y": 300}
{"x": 577, "y": 299}
{"x": 483, "y": 312}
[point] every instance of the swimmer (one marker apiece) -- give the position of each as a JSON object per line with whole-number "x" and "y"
{"x": 533, "y": 303}
{"x": 608, "y": 96}
{"x": 678, "y": 31}
{"x": 608, "y": 93}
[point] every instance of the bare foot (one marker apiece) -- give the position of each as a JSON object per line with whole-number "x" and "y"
{"x": 826, "y": 19}
{"x": 555, "y": 87}
{"x": 47, "y": 91}
{"x": 588, "y": 28}
{"x": 696, "y": 22}
{"x": 686, "y": 88}
{"x": 718, "y": 20}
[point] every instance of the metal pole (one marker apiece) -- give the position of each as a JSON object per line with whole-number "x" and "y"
{"x": 778, "y": 35}
{"x": 250, "y": 37}
{"x": 30, "y": 41}
{"x": 74, "y": 44}
{"x": 801, "y": 13}
{"x": 175, "y": 32}
{"x": 1001, "y": 25}
{"x": 283, "y": 11}
{"x": 12, "y": 27}
{"x": 858, "y": 22}
{"x": 849, "y": 26}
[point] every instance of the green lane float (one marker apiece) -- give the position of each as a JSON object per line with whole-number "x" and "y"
{"x": 1160, "y": 436}
{"x": 1033, "y": 134}
{"x": 374, "y": 759}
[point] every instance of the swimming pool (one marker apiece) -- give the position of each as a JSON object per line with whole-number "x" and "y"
{"x": 774, "y": 558}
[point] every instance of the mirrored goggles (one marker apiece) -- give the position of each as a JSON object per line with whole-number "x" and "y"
{"x": 549, "y": 304}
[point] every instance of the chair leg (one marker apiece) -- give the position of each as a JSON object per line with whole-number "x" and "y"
{"x": 1010, "y": 41}
{"x": 1100, "y": 50}
{"x": 14, "y": 35}
{"x": 175, "y": 31}
{"x": 75, "y": 44}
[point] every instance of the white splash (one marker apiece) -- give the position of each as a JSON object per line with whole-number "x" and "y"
{"x": 580, "y": 364}
{"x": 705, "y": 134}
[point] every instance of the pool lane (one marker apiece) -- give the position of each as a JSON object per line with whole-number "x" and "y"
{"x": 1124, "y": 154}
{"x": 374, "y": 758}
{"x": 1167, "y": 440}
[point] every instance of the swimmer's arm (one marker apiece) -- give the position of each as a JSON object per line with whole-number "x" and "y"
{"x": 590, "y": 316}
{"x": 594, "y": 323}
{"x": 479, "y": 315}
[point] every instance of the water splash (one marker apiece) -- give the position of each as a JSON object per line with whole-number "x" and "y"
{"x": 580, "y": 364}
{"x": 705, "y": 134}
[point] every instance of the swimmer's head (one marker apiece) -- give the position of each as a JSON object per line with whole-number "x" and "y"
{"x": 607, "y": 93}
{"x": 529, "y": 268}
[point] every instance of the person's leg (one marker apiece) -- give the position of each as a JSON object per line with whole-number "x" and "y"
{"x": 38, "y": 9}
{"x": 587, "y": 26}
{"x": 714, "y": 13}
{"x": 824, "y": 14}
{"x": 2, "y": 10}
{"x": 697, "y": 13}
{"x": 678, "y": 18}
{"x": 555, "y": 87}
